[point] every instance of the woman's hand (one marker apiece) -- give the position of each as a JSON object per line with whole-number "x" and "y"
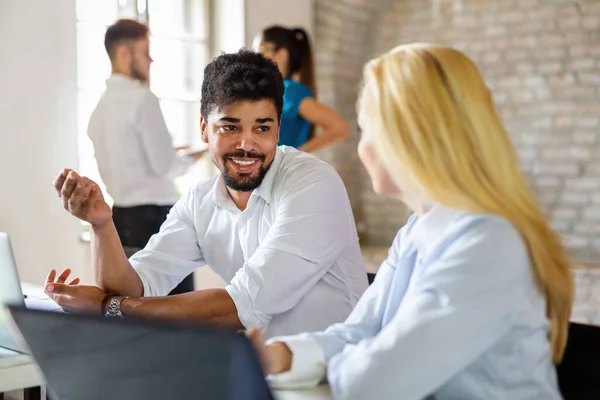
{"x": 275, "y": 358}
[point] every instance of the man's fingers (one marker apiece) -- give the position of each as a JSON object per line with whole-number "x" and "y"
{"x": 60, "y": 180}
{"x": 69, "y": 186}
{"x": 75, "y": 175}
{"x": 74, "y": 281}
{"x": 76, "y": 197}
{"x": 88, "y": 190}
{"x": 51, "y": 276}
{"x": 79, "y": 196}
{"x": 63, "y": 276}
{"x": 61, "y": 289}
{"x": 87, "y": 181}
{"x": 94, "y": 188}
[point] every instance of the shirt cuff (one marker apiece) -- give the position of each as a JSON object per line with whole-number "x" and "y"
{"x": 243, "y": 292}
{"x": 148, "y": 289}
{"x": 308, "y": 364}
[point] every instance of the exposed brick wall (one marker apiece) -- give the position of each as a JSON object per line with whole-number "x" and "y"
{"x": 343, "y": 31}
{"x": 541, "y": 58}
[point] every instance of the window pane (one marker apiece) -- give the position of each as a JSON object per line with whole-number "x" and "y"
{"x": 128, "y": 9}
{"x": 86, "y": 102}
{"x": 101, "y": 11}
{"x": 193, "y": 121}
{"x": 174, "y": 115}
{"x": 177, "y": 18}
{"x": 177, "y": 69}
{"x": 183, "y": 122}
{"x": 93, "y": 65}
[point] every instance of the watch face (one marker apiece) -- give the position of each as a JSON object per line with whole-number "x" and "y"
{"x": 114, "y": 307}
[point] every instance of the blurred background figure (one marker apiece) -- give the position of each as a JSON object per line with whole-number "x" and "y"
{"x": 306, "y": 123}
{"x": 135, "y": 155}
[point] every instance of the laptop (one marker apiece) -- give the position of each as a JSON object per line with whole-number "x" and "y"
{"x": 94, "y": 358}
{"x": 12, "y": 294}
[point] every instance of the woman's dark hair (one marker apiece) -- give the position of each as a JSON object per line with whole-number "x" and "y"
{"x": 297, "y": 44}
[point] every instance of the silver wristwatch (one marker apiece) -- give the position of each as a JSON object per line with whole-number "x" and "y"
{"x": 113, "y": 308}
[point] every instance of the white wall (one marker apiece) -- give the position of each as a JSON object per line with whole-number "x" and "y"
{"x": 38, "y": 134}
{"x": 291, "y": 13}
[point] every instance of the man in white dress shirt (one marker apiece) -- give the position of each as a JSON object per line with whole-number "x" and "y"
{"x": 276, "y": 225}
{"x": 133, "y": 148}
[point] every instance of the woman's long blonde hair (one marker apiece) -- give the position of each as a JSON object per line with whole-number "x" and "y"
{"x": 437, "y": 128}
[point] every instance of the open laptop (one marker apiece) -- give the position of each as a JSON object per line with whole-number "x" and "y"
{"x": 94, "y": 358}
{"x": 12, "y": 294}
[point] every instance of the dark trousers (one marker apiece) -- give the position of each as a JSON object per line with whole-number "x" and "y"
{"x": 136, "y": 225}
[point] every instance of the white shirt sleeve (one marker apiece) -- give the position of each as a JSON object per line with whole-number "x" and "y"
{"x": 311, "y": 229}
{"x": 461, "y": 305}
{"x": 308, "y": 364}
{"x": 156, "y": 141}
{"x": 365, "y": 319}
{"x": 170, "y": 255}
{"x": 312, "y": 351}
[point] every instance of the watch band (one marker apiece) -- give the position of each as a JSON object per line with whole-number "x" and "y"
{"x": 113, "y": 308}
{"x": 104, "y": 303}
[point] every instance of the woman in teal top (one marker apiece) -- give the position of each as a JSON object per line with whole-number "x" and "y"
{"x": 302, "y": 114}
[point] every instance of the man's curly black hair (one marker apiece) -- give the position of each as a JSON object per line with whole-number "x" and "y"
{"x": 245, "y": 75}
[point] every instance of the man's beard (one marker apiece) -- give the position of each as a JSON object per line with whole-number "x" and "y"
{"x": 137, "y": 74}
{"x": 244, "y": 182}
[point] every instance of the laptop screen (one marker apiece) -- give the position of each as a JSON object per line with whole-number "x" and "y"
{"x": 10, "y": 290}
{"x": 92, "y": 358}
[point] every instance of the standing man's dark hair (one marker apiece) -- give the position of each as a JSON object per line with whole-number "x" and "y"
{"x": 123, "y": 31}
{"x": 245, "y": 75}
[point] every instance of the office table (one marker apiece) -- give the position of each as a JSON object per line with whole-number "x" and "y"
{"x": 19, "y": 371}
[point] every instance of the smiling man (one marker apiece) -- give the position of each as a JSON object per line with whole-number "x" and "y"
{"x": 276, "y": 225}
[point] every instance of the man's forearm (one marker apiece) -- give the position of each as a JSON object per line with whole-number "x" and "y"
{"x": 212, "y": 306}
{"x": 114, "y": 273}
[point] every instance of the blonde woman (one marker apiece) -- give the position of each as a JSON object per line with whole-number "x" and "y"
{"x": 474, "y": 299}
